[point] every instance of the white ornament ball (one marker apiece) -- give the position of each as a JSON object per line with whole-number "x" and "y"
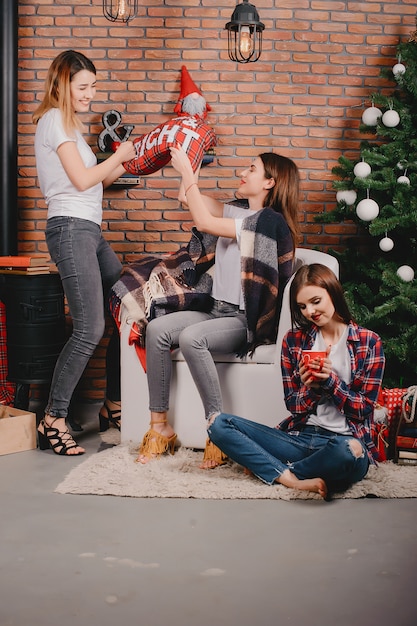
{"x": 400, "y": 165}
{"x": 346, "y": 195}
{"x": 362, "y": 169}
{"x": 391, "y": 118}
{"x": 404, "y": 180}
{"x": 367, "y": 210}
{"x": 398, "y": 69}
{"x": 371, "y": 116}
{"x": 406, "y": 273}
{"x": 386, "y": 244}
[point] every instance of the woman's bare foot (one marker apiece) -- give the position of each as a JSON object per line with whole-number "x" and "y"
{"x": 63, "y": 435}
{"x": 316, "y": 485}
{"x": 208, "y": 464}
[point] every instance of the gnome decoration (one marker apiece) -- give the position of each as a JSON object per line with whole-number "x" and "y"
{"x": 191, "y": 100}
{"x": 188, "y": 130}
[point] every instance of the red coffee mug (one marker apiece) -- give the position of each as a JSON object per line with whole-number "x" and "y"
{"x": 314, "y": 355}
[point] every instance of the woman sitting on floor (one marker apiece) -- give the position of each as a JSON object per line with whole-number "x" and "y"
{"x": 326, "y": 443}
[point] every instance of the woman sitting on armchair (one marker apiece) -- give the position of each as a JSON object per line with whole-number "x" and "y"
{"x": 253, "y": 261}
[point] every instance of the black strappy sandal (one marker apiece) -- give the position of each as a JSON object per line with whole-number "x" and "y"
{"x": 63, "y": 440}
{"x": 108, "y": 417}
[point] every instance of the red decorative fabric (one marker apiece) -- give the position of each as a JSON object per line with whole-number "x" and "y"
{"x": 7, "y": 389}
{"x": 152, "y": 149}
{"x": 392, "y": 400}
{"x": 140, "y": 351}
{"x": 384, "y": 434}
{"x": 381, "y": 434}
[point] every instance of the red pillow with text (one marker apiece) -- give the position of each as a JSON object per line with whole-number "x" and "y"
{"x": 152, "y": 149}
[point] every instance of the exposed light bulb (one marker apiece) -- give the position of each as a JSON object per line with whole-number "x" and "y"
{"x": 122, "y": 10}
{"x": 245, "y": 41}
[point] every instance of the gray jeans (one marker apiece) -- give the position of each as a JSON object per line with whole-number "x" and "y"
{"x": 88, "y": 268}
{"x": 197, "y": 334}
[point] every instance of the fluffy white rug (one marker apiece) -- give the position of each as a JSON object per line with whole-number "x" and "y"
{"x": 114, "y": 472}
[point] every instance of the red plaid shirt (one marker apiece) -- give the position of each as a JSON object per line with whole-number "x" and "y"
{"x": 7, "y": 389}
{"x": 356, "y": 400}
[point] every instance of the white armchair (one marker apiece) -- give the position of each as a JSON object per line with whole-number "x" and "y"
{"x": 251, "y": 387}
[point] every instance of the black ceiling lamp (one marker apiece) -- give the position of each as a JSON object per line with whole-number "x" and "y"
{"x": 120, "y": 10}
{"x": 244, "y": 36}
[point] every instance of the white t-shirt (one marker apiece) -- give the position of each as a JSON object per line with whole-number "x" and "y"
{"x": 227, "y": 281}
{"x": 60, "y": 194}
{"x": 328, "y": 415}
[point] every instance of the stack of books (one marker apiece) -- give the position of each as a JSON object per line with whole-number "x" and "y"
{"x": 406, "y": 445}
{"x": 26, "y": 265}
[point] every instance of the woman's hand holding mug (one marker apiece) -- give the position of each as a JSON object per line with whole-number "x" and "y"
{"x": 315, "y": 366}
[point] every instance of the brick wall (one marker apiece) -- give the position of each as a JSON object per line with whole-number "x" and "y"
{"x": 304, "y": 98}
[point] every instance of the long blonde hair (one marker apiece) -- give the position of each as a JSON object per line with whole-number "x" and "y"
{"x": 57, "y": 87}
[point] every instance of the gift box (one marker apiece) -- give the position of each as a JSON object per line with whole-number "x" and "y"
{"x": 17, "y": 430}
{"x": 392, "y": 400}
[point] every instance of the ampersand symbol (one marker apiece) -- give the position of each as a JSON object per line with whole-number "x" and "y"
{"x": 112, "y": 120}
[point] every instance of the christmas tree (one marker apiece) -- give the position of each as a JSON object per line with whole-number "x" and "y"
{"x": 379, "y": 193}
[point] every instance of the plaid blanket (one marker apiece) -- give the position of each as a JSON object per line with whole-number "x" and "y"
{"x": 267, "y": 257}
{"x": 156, "y": 285}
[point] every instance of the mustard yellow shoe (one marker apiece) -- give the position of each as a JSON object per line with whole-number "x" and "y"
{"x": 154, "y": 445}
{"x": 213, "y": 456}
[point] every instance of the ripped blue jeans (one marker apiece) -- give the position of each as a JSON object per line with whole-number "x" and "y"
{"x": 311, "y": 453}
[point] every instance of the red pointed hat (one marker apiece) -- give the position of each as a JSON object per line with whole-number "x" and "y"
{"x": 188, "y": 87}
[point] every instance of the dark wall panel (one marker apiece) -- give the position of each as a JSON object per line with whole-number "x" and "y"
{"x": 8, "y": 130}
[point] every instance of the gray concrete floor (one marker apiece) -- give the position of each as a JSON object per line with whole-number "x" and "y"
{"x": 74, "y": 560}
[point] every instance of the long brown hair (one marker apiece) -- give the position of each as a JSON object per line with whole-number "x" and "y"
{"x": 283, "y": 197}
{"x": 322, "y": 276}
{"x": 57, "y": 87}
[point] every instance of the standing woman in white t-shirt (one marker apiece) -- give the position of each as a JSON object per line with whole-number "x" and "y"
{"x": 72, "y": 183}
